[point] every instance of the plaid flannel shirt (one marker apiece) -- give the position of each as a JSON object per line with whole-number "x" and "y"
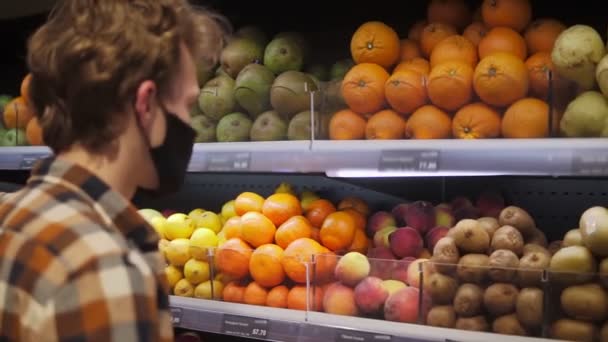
{"x": 78, "y": 263}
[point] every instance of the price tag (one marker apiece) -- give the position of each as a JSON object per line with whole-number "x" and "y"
{"x": 28, "y": 160}
{"x": 359, "y": 336}
{"x": 590, "y": 163}
{"x": 245, "y": 326}
{"x": 409, "y": 160}
{"x": 176, "y": 316}
{"x": 228, "y": 161}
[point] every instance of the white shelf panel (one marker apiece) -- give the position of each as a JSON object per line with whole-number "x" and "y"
{"x": 529, "y": 157}
{"x": 299, "y": 326}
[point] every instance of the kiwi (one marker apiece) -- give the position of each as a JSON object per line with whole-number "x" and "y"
{"x": 503, "y": 265}
{"x": 499, "y": 299}
{"x": 555, "y": 246}
{"x": 507, "y": 237}
{"x": 441, "y": 288}
{"x": 441, "y": 316}
{"x": 508, "y": 325}
{"x": 477, "y": 323}
{"x": 573, "y": 238}
{"x": 532, "y": 247}
{"x": 603, "y": 271}
{"x": 537, "y": 237}
{"x": 445, "y": 255}
{"x": 587, "y": 302}
{"x": 518, "y": 218}
{"x": 573, "y": 265}
{"x": 470, "y": 237}
{"x": 531, "y": 267}
{"x": 573, "y": 330}
{"x": 468, "y": 300}
{"x": 489, "y": 224}
{"x": 473, "y": 268}
{"x": 529, "y": 307}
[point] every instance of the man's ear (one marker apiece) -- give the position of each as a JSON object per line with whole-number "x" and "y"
{"x": 145, "y": 102}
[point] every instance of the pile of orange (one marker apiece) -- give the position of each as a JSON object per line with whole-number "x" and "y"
{"x": 275, "y": 244}
{"x": 455, "y": 75}
{"x": 19, "y": 114}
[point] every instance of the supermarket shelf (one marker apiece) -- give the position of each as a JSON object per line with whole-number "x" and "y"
{"x": 291, "y": 325}
{"x": 533, "y": 157}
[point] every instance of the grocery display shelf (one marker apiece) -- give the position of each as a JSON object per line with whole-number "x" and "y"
{"x": 276, "y": 324}
{"x": 528, "y": 157}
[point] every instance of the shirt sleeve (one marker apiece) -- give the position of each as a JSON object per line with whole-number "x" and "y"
{"x": 111, "y": 298}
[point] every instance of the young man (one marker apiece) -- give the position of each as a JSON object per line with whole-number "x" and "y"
{"x": 113, "y": 84}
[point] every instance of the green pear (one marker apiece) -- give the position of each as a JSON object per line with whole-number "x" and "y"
{"x": 340, "y": 68}
{"x": 269, "y": 126}
{"x": 252, "y": 88}
{"x": 299, "y": 127}
{"x": 239, "y": 53}
{"x": 319, "y": 71}
{"x": 283, "y": 54}
{"x": 14, "y": 137}
{"x": 253, "y": 33}
{"x": 586, "y": 116}
{"x": 204, "y": 127}
{"x": 290, "y": 93}
{"x": 234, "y": 127}
{"x": 217, "y": 97}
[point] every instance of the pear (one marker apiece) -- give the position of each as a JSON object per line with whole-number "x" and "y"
{"x": 239, "y": 53}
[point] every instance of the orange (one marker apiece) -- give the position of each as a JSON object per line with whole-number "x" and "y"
{"x": 409, "y": 49}
{"x": 232, "y": 227}
{"x": 363, "y": 88}
{"x": 277, "y": 297}
{"x": 294, "y": 228}
{"x": 515, "y": 14}
{"x": 450, "y": 85}
{"x": 318, "y": 211}
{"x": 280, "y": 207}
{"x": 454, "y": 48}
{"x": 526, "y": 119}
{"x": 375, "y": 42}
{"x": 542, "y": 33}
{"x": 25, "y": 87}
{"x": 315, "y": 234}
{"x": 346, "y": 125}
{"x": 385, "y": 125}
{"x": 476, "y": 121}
{"x": 501, "y": 79}
{"x": 33, "y": 132}
{"x": 360, "y": 242}
{"x": 429, "y": 122}
{"x": 418, "y": 64}
{"x": 232, "y": 258}
{"x": 360, "y": 221}
{"x": 405, "y": 90}
{"x": 299, "y": 294}
{"x": 300, "y": 253}
{"x": 265, "y": 265}
{"x": 475, "y": 32}
{"x": 356, "y": 203}
{"x": 415, "y": 31}
{"x": 503, "y": 39}
{"x": 257, "y": 229}
{"x": 17, "y": 113}
{"x": 338, "y": 231}
{"x": 255, "y": 294}
{"x": 233, "y": 292}
{"x": 432, "y": 34}
{"x": 248, "y": 201}
{"x": 453, "y": 12}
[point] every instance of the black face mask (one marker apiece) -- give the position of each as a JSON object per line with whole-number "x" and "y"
{"x": 172, "y": 157}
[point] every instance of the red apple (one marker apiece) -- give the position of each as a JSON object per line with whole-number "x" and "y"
{"x": 370, "y": 295}
{"x": 444, "y": 216}
{"x": 402, "y": 306}
{"x": 414, "y": 270}
{"x": 405, "y": 242}
{"x": 435, "y": 235}
{"x": 490, "y": 203}
{"x": 380, "y": 260}
{"x": 168, "y": 212}
{"x": 421, "y": 216}
{"x": 459, "y": 202}
{"x": 399, "y": 213}
{"x": 398, "y": 269}
{"x": 379, "y": 220}
{"x": 381, "y": 236}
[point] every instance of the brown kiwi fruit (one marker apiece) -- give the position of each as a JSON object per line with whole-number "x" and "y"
{"x": 529, "y": 307}
{"x": 573, "y": 330}
{"x": 573, "y": 238}
{"x": 441, "y": 316}
{"x": 445, "y": 255}
{"x": 555, "y": 246}
{"x": 508, "y": 325}
{"x": 531, "y": 268}
{"x": 489, "y": 224}
{"x": 468, "y": 300}
{"x": 587, "y": 302}
{"x": 470, "y": 237}
{"x": 518, "y": 218}
{"x": 537, "y": 237}
{"x": 503, "y": 265}
{"x": 477, "y": 323}
{"x": 532, "y": 247}
{"x": 499, "y": 299}
{"x": 473, "y": 268}
{"x": 441, "y": 288}
{"x": 603, "y": 271}
{"x": 507, "y": 237}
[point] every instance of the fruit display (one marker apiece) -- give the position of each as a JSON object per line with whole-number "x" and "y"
{"x": 19, "y": 126}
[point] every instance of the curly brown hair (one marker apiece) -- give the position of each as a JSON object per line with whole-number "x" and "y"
{"x": 88, "y": 59}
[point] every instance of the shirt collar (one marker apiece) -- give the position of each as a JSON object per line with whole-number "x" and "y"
{"x": 119, "y": 211}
